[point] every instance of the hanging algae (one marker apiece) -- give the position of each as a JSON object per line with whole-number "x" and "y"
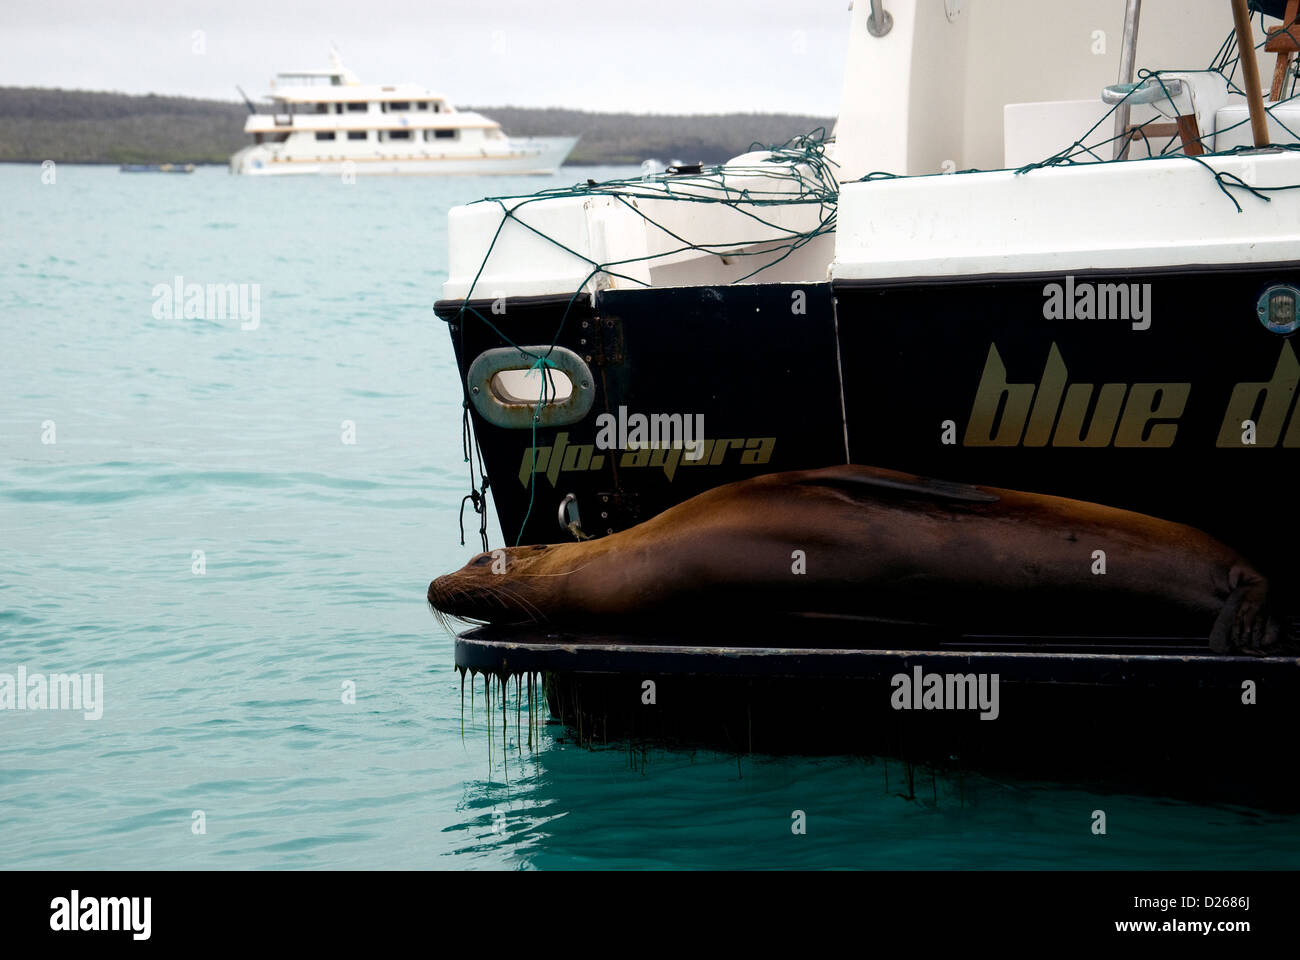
{"x": 501, "y": 681}
{"x": 588, "y": 720}
{"x": 505, "y": 752}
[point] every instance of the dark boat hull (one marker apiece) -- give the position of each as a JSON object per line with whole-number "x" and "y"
{"x": 1144, "y": 722}
{"x": 964, "y": 380}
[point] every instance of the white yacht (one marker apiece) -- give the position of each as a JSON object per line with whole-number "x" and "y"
{"x": 328, "y": 122}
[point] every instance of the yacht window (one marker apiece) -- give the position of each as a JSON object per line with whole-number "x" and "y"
{"x": 324, "y": 134}
{"x": 358, "y": 107}
{"x": 338, "y": 108}
{"x": 421, "y": 105}
{"x": 357, "y": 134}
{"x": 395, "y": 135}
{"x": 400, "y": 105}
{"x": 440, "y": 134}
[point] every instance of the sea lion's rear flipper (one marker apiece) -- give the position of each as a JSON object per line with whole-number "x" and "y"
{"x": 859, "y": 480}
{"x": 1246, "y": 624}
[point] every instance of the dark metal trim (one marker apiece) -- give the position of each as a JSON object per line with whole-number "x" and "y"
{"x": 564, "y": 653}
{"x": 1091, "y": 272}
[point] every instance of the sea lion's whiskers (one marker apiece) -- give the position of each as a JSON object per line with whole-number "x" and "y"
{"x": 494, "y": 593}
{"x": 499, "y": 591}
{"x": 450, "y": 595}
{"x": 562, "y": 573}
{"x": 534, "y": 612}
{"x": 445, "y": 619}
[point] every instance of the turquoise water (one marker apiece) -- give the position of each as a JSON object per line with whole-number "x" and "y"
{"x": 223, "y": 689}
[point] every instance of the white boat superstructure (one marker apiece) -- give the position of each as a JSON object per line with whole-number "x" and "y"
{"x": 902, "y": 116}
{"x": 328, "y": 122}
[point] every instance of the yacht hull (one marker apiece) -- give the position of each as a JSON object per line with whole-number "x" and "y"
{"x": 965, "y": 380}
{"x": 542, "y": 155}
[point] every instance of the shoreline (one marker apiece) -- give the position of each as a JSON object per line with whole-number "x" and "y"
{"x": 94, "y": 127}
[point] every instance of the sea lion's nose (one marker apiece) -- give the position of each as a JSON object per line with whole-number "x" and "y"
{"x": 437, "y": 593}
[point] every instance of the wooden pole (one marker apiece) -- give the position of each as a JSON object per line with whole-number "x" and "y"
{"x": 1250, "y": 72}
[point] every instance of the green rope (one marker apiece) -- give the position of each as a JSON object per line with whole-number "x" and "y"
{"x": 540, "y": 364}
{"x": 798, "y": 175}
{"x": 1086, "y": 150}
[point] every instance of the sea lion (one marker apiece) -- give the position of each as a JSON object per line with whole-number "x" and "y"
{"x": 871, "y": 543}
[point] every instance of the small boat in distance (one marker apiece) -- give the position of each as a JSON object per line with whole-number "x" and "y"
{"x": 157, "y": 168}
{"x": 328, "y": 122}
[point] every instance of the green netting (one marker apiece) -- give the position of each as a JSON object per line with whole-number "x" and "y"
{"x": 1091, "y": 149}
{"x": 1095, "y": 147}
{"x": 798, "y": 172}
{"x": 795, "y": 173}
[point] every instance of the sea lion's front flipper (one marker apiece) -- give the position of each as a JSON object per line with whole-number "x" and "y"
{"x": 1246, "y": 624}
{"x": 857, "y": 479}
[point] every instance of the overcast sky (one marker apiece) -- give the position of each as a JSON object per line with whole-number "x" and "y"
{"x": 666, "y": 56}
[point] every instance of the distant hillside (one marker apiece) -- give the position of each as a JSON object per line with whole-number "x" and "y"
{"x": 631, "y": 138}
{"x": 78, "y": 126}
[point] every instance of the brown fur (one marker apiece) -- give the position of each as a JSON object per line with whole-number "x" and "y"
{"x": 882, "y": 545}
